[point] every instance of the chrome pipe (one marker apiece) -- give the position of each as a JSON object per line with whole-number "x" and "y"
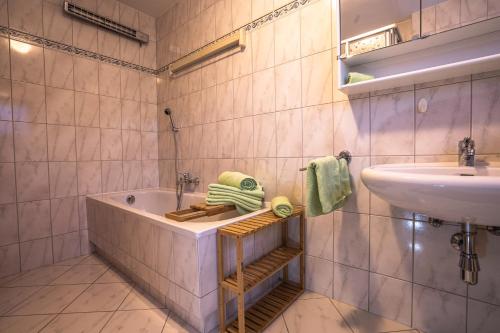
{"x": 469, "y": 262}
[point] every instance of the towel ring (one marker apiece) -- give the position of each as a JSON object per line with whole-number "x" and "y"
{"x": 345, "y": 154}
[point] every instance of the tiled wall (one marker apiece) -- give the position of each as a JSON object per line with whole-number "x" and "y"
{"x": 270, "y": 109}
{"x": 69, "y": 126}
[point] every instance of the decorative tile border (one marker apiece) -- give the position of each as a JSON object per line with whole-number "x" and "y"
{"x": 41, "y": 41}
{"x": 286, "y": 9}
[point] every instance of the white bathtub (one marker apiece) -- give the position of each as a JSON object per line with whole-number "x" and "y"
{"x": 154, "y": 203}
{"x": 175, "y": 261}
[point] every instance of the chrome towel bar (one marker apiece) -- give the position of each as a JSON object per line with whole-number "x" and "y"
{"x": 345, "y": 154}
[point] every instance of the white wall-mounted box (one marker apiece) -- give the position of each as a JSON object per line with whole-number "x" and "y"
{"x": 466, "y": 50}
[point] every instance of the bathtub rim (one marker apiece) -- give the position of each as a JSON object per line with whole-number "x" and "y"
{"x": 194, "y": 230}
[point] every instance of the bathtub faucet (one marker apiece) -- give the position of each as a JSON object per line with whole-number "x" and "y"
{"x": 467, "y": 152}
{"x": 187, "y": 178}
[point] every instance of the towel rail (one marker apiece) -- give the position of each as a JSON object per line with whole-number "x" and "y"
{"x": 345, "y": 154}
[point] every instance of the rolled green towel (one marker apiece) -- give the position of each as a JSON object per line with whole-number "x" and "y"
{"x": 355, "y": 77}
{"x": 328, "y": 185}
{"x": 237, "y": 179}
{"x": 281, "y": 206}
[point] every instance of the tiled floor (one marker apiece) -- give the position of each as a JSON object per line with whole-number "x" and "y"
{"x": 85, "y": 294}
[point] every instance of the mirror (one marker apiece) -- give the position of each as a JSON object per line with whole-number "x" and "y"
{"x": 367, "y": 25}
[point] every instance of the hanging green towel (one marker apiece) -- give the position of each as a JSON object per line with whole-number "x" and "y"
{"x": 355, "y": 77}
{"x": 281, "y": 206}
{"x": 328, "y": 185}
{"x": 237, "y": 179}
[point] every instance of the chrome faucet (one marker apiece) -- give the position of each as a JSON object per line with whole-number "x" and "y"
{"x": 187, "y": 178}
{"x": 466, "y": 152}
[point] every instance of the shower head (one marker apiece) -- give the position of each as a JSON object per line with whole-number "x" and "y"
{"x": 168, "y": 112}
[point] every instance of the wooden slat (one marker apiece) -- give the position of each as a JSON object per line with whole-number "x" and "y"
{"x": 241, "y": 285}
{"x": 256, "y": 223}
{"x": 232, "y": 229}
{"x": 220, "y": 278}
{"x": 263, "y": 313}
{"x": 260, "y": 270}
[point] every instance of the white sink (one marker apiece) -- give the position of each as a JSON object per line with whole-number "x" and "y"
{"x": 445, "y": 191}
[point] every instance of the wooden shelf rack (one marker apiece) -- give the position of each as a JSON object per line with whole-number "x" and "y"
{"x": 269, "y": 307}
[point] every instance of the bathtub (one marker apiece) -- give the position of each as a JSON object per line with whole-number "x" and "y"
{"x": 176, "y": 262}
{"x": 154, "y": 203}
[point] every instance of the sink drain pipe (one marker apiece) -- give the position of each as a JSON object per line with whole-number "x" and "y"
{"x": 465, "y": 242}
{"x": 469, "y": 263}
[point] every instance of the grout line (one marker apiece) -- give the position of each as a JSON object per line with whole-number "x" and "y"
{"x": 412, "y": 273}
{"x": 471, "y": 108}
{"x": 341, "y": 315}
{"x": 118, "y": 307}
{"x": 284, "y": 321}
{"x": 43, "y": 47}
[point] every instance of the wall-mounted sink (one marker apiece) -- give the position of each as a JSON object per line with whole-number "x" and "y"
{"x": 445, "y": 191}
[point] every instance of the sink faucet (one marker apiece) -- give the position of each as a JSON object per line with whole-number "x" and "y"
{"x": 466, "y": 152}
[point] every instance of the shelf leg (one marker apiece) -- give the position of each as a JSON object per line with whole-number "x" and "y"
{"x": 302, "y": 241}
{"x": 220, "y": 276}
{"x": 241, "y": 285}
{"x": 284, "y": 242}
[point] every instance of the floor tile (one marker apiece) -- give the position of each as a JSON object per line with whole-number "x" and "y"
{"x": 94, "y": 259}
{"x": 278, "y": 326}
{"x": 48, "y": 300}
{"x": 24, "y": 324}
{"x": 365, "y": 322}
{"x": 310, "y": 294}
{"x": 39, "y": 277}
{"x": 81, "y": 274}
{"x": 100, "y": 297}
{"x": 314, "y": 315}
{"x": 112, "y": 275}
{"x": 150, "y": 321}
{"x": 71, "y": 261}
{"x": 78, "y": 322}
{"x": 176, "y": 325}
{"x": 139, "y": 300}
{"x": 7, "y": 279}
{"x": 10, "y": 297}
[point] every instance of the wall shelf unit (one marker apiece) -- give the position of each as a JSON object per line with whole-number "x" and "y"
{"x": 270, "y": 306}
{"x": 471, "y": 49}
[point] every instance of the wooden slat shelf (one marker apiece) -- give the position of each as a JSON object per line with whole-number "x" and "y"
{"x": 259, "y": 316}
{"x": 268, "y": 308}
{"x": 263, "y": 268}
{"x": 256, "y": 223}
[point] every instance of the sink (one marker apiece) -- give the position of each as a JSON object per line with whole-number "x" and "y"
{"x": 445, "y": 191}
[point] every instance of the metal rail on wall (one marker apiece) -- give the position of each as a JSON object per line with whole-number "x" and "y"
{"x": 231, "y": 41}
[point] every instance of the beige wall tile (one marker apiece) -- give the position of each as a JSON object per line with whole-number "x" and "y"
{"x": 288, "y": 86}
{"x": 28, "y": 102}
{"x": 317, "y": 79}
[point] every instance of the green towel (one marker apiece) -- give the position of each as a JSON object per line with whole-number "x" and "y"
{"x": 237, "y": 179}
{"x": 328, "y": 185}
{"x": 245, "y": 201}
{"x": 257, "y": 193}
{"x": 355, "y": 77}
{"x": 281, "y": 206}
